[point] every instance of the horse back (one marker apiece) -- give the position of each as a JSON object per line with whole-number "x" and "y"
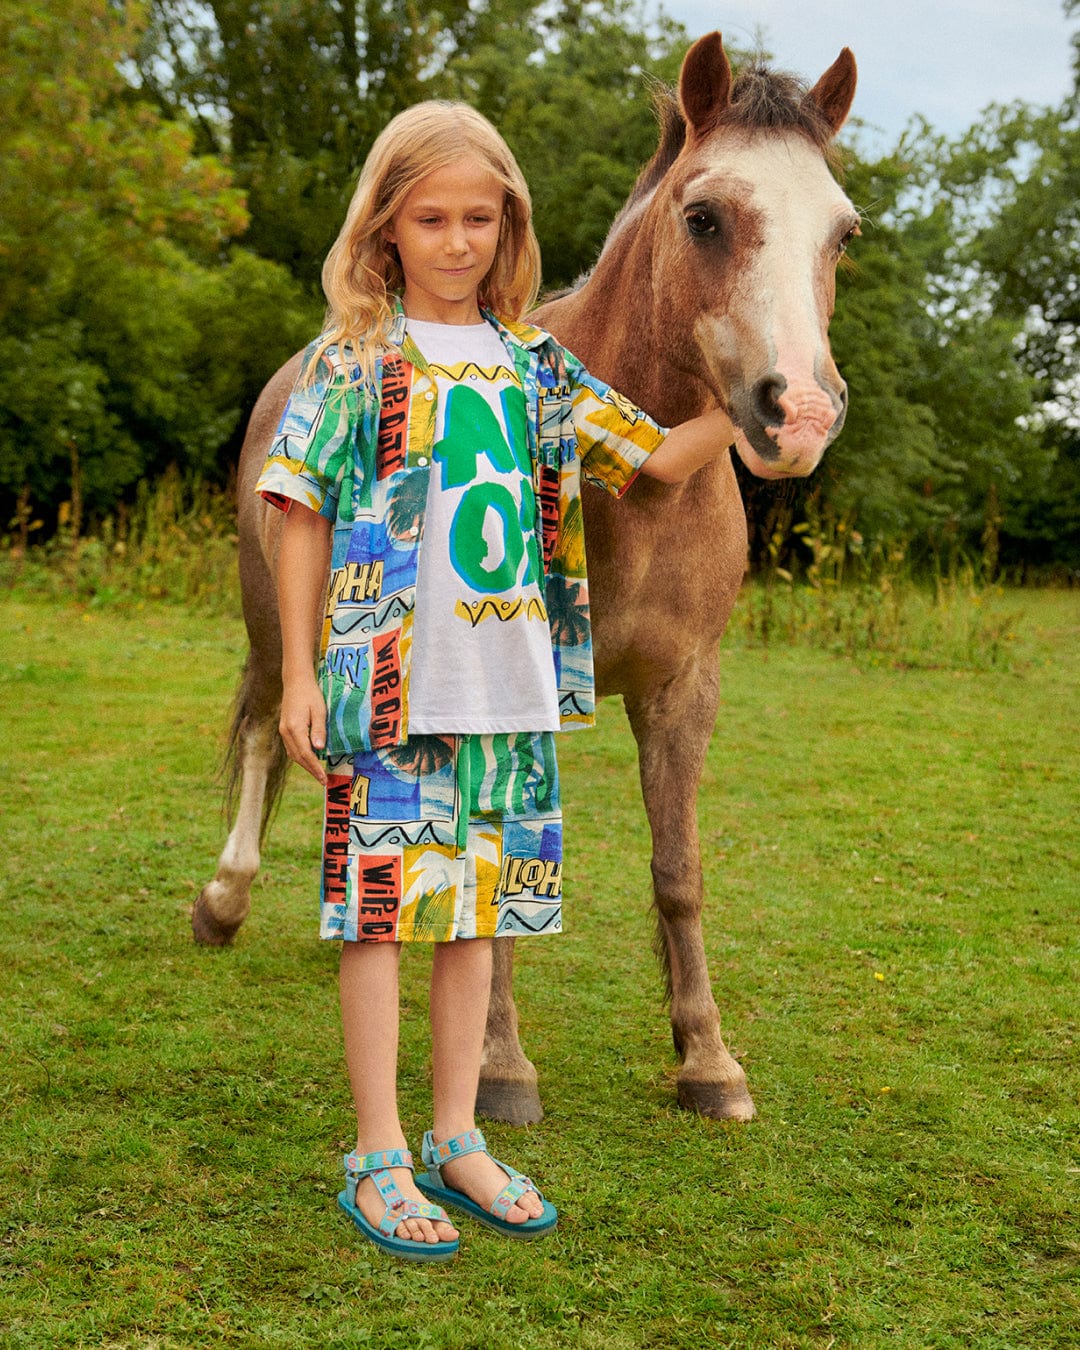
{"x": 258, "y": 525}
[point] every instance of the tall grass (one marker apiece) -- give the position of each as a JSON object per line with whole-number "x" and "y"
{"x": 862, "y": 599}
{"x": 176, "y": 543}
{"x": 867, "y": 600}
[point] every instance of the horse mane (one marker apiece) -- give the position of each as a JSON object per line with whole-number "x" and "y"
{"x": 672, "y": 139}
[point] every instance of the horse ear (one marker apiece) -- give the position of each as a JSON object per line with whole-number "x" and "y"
{"x": 705, "y": 83}
{"x": 834, "y": 93}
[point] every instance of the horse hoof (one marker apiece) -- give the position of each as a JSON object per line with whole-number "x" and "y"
{"x": 718, "y": 1101}
{"x": 509, "y": 1100}
{"x": 208, "y": 931}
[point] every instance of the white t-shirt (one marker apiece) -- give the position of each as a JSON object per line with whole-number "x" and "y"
{"x": 481, "y": 659}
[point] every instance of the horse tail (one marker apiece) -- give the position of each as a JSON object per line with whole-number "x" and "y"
{"x": 252, "y": 717}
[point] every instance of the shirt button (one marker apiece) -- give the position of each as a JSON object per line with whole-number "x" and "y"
{"x": 414, "y": 531}
{"x": 429, "y": 396}
{"x": 422, "y": 460}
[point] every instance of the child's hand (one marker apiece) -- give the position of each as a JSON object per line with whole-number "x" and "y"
{"x": 303, "y": 725}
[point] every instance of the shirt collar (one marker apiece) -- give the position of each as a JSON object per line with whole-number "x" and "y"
{"x": 520, "y": 333}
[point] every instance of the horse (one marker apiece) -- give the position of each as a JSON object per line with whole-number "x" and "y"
{"x": 714, "y": 287}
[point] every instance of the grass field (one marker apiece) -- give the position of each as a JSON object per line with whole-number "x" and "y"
{"x": 892, "y": 856}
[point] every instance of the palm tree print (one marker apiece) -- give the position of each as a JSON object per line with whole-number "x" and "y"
{"x": 433, "y": 915}
{"x": 406, "y": 506}
{"x": 420, "y": 755}
{"x": 568, "y": 611}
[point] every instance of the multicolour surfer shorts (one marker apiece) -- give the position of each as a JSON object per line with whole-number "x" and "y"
{"x": 443, "y": 837}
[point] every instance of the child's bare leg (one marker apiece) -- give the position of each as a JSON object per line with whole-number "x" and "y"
{"x": 460, "y": 983}
{"x": 369, "y": 1017}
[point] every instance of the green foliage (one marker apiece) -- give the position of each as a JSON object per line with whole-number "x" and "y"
{"x": 1028, "y": 250}
{"x": 130, "y": 336}
{"x": 533, "y": 83}
{"x": 142, "y": 144}
{"x": 862, "y": 599}
{"x": 174, "y": 543}
{"x": 296, "y": 93}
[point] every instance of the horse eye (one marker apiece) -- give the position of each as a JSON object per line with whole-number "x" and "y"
{"x": 701, "y": 222}
{"x": 842, "y": 246}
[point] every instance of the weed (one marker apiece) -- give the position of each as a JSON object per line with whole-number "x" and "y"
{"x": 177, "y": 543}
{"x": 864, "y": 601}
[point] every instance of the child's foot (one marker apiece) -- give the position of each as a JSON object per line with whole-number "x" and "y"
{"x": 414, "y": 1229}
{"x": 480, "y": 1177}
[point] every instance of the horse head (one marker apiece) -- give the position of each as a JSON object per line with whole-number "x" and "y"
{"x": 751, "y": 223}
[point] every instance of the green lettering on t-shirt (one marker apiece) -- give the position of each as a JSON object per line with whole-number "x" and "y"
{"x": 470, "y": 428}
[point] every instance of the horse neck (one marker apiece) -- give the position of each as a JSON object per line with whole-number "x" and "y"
{"x": 613, "y": 322}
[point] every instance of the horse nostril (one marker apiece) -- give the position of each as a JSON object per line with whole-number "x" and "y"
{"x": 766, "y": 400}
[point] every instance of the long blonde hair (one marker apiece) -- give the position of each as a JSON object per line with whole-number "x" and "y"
{"x": 362, "y": 274}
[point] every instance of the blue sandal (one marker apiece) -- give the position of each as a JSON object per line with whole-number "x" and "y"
{"x": 376, "y": 1166}
{"x": 433, "y": 1186}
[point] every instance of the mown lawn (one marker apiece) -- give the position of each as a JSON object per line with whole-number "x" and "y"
{"x": 892, "y": 856}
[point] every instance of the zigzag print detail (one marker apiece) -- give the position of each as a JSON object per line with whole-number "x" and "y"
{"x": 469, "y": 370}
{"x": 503, "y": 610}
{"x": 370, "y": 618}
{"x": 428, "y": 833}
{"x": 511, "y": 921}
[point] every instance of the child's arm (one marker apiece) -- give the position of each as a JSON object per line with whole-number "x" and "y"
{"x": 302, "y": 567}
{"x": 689, "y": 446}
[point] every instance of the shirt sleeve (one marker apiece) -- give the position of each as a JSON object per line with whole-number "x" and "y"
{"x": 313, "y": 447}
{"x": 614, "y": 436}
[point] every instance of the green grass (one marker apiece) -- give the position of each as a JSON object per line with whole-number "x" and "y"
{"x": 892, "y": 860}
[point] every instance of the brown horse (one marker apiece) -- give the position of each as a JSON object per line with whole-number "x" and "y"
{"x": 715, "y": 287}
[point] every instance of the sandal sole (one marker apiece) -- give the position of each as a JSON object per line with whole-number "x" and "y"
{"x": 395, "y": 1246}
{"x": 531, "y": 1228}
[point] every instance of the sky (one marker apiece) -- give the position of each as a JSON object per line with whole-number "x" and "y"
{"x": 944, "y": 59}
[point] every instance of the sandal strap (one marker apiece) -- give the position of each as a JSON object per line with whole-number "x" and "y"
{"x": 512, "y": 1192}
{"x": 377, "y": 1167}
{"x": 397, "y": 1207}
{"x": 472, "y": 1141}
{"x": 360, "y": 1164}
{"x": 435, "y": 1155}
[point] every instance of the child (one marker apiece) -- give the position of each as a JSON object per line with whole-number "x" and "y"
{"x": 430, "y": 460}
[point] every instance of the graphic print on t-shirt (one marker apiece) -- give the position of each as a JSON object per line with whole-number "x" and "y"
{"x": 482, "y": 660}
{"x": 492, "y": 539}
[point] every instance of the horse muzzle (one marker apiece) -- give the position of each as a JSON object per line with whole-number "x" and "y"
{"x": 784, "y": 429}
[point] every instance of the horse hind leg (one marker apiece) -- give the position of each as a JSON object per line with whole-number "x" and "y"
{"x": 508, "y": 1088}
{"x": 256, "y": 764}
{"x": 672, "y": 729}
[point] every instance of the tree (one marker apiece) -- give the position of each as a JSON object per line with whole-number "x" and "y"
{"x": 116, "y": 281}
{"x": 295, "y": 94}
{"x": 534, "y": 86}
{"x": 1030, "y": 250}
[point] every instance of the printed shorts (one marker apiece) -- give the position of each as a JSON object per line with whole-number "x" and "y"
{"x": 443, "y": 837}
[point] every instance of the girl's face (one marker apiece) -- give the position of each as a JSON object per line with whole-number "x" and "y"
{"x": 447, "y": 233}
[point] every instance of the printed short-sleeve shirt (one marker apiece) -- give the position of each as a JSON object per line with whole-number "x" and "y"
{"x": 361, "y": 457}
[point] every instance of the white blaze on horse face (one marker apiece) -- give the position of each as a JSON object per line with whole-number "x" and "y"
{"x": 769, "y": 350}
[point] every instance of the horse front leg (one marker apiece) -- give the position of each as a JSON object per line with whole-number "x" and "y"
{"x": 672, "y": 727}
{"x": 508, "y": 1089}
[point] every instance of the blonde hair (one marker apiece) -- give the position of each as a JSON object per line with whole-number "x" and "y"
{"x": 362, "y": 274}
